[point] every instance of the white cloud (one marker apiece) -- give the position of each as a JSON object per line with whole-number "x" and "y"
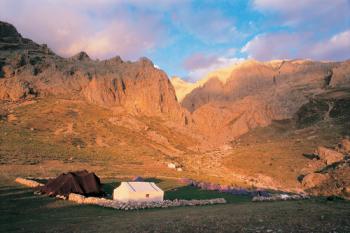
{"x": 293, "y": 12}
{"x": 318, "y": 30}
{"x": 273, "y": 46}
{"x": 102, "y": 28}
{"x": 219, "y": 63}
{"x": 337, "y": 47}
{"x": 292, "y": 45}
{"x": 207, "y": 24}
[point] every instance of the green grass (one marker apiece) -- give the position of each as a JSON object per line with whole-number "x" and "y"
{"x": 42, "y": 153}
{"x": 21, "y": 211}
{"x": 175, "y": 190}
{"x": 189, "y": 192}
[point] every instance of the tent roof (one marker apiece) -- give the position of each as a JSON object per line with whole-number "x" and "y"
{"x": 80, "y": 182}
{"x": 141, "y": 186}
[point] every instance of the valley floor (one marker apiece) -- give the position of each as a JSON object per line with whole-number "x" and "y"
{"x": 22, "y": 211}
{"x": 48, "y": 138}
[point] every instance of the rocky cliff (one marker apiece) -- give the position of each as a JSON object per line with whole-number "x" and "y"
{"x": 254, "y": 94}
{"x": 218, "y": 109}
{"x": 30, "y": 70}
{"x": 247, "y": 124}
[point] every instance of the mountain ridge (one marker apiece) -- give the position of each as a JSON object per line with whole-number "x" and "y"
{"x": 31, "y": 70}
{"x": 250, "y": 130}
{"x": 257, "y": 93}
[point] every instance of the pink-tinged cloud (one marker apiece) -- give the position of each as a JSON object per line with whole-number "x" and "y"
{"x": 291, "y": 45}
{"x": 273, "y": 46}
{"x": 199, "y": 65}
{"x": 337, "y": 46}
{"x": 292, "y": 12}
{"x": 72, "y": 26}
{"x": 199, "y": 60}
{"x": 208, "y": 25}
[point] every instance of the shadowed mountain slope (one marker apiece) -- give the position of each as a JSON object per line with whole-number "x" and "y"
{"x": 256, "y": 93}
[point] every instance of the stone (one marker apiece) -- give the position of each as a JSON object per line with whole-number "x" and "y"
{"x": 329, "y": 155}
{"x": 280, "y": 197}
{"x": 172, "y": 165}
{"x": 8, "y": 71}
{"x": 313, "y": 166}
{"x": 186, "y": 181}
{"x": 142, "y": 205}
{"x": 345, "y": 145}
{"x": 27, "y": 182}
{"x": 314, "y": 179}
{"x": 76, "y": 198}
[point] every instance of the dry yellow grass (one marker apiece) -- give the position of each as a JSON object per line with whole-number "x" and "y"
{"x": 51, "y": 136}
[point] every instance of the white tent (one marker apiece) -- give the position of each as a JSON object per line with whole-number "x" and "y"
{"x": 138, "y": 191}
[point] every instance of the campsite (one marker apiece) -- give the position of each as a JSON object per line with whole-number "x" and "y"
{"x": 46, "y": 214}
{"x": 174, "y": 116}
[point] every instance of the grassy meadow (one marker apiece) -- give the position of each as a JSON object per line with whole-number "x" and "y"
{"x": 46, "y": 138}
{"x": 22, "y": 211}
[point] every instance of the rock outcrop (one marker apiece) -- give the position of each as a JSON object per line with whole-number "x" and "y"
{"x": 345, "y": 145}
{"x": 330, "y": 174}
{"x": 29, "y": 70}
{"x": 182, "y": 87}
{"x": 314, "y": 179}
{"x": 329, "y": 156}
{"x": 253, "y": 94}
{"x": 218, "y": 109}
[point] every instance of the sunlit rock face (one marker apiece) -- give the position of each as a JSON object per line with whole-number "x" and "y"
{"x": 31, "y": 70}
{"x": 256, "y": 93}
{"x": 224, "y": 105}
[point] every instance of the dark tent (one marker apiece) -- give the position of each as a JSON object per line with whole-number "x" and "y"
{"x": 80, "y": 182}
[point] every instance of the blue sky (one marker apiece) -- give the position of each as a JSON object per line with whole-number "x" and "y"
{"x": 187, "y": 38}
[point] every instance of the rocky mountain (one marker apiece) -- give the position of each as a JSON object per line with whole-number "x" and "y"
{"x": 226, "y": 104}
{"x": 32, "y": 70}
{"x": 328, "y": 171}
{"x": 182, "y": 87}
{"x": 252, "y": 94}
{"x": 248, "y": 124}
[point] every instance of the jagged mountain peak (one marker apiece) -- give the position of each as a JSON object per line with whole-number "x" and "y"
{"x": 28, "y": 70}
{"x": 81, "y": 56}
{"x": 7, "y": 30}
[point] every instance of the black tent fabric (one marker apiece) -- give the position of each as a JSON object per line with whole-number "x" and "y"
{"x": 80, "y": 182}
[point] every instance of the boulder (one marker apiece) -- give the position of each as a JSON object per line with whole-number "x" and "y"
{"x": 3, "y": 114}
{"x": 8, "y": 71}
{"x": 97, "y": 201}
{"x": 314, "y": 179}
{"x": 29, "y": 183}
{"x": 346, "y": 190}
{"x": 345, "y": 145}
{"x": 186, "y": 181}
{"x": 313, "y": 166}
{"x": 76, "y": 198}
{"x": 328, "y": 155}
